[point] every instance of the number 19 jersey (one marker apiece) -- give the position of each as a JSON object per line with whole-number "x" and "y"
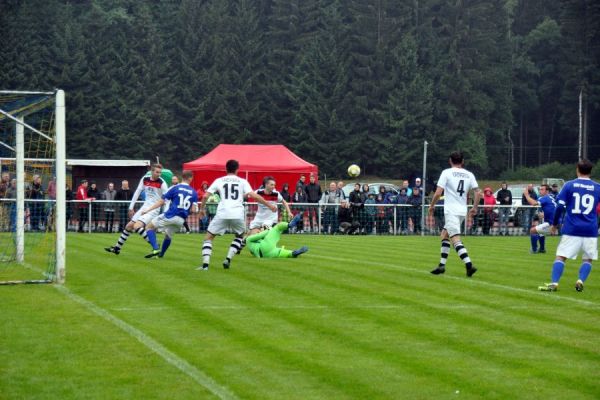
{"x": 232, "y": 189}
{"x": 580, "y": 198}
{"x": 456, "y": 182}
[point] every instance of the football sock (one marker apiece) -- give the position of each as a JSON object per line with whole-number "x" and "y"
{"x": 557, "y": 270}
{"x": 534, "y": 239}
{"x": 542, "y": 242}
{"x": 165, "y": 245}
{"x": 584, "y": 270}
{"x": 445, "y": 251}
{"x": 143, "y": 233}
{"x": 235, "y": 247}
{"x": 206, "y": 251}
{"x": 122, "y": 239}
{"x": 152, "y": 239}
{"x": 462, "y": 253}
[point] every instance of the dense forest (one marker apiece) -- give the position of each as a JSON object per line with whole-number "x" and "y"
{"x": 337, "y": 81}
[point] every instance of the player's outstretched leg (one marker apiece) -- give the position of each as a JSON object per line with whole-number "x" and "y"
{"x": 584, "y": 272}
{"x": 165, "y": 245}
{"x": 151, "y": 234}
{"x": 445, "y": 250}
{"x": 557, "y": 270}
{"x": 234, "y": 248}
{"x": 120, "y": 242}
{"x": 464, "y": 256}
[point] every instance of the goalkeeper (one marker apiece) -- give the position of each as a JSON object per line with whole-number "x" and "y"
{"x": 264, "y": 244}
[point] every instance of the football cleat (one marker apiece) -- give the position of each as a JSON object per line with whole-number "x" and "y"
{"x": 439, "y": 270}
{"x": 299, "y": 251}
{"x": 295, "y": 220}
{"x": 203, "y": 267}
{"x": 579, "y": 285}
{"x": 113, "y": 249}
{"x": 226, "y": 263}
{"x": 471, "y": 271}
{"x": 549, "y": 287}
{"x": 541, "y": 251}
{"x": 154, "y": 254}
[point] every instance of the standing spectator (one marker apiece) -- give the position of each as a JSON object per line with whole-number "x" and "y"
{"x": 418, "y": 184}
{"x": 529, "y": 212}
{"x": 489, "y": 203}
{"x": 554, "y": 190}
{"x": 381, "y": 225}
{"x": 110, "y": 194}
{"x": 302, "y": 181}
{"x": 313, "y": 195}
{"x": 285, "y": 192}
{"x": 69, "y": 206}
{"x": 4, "y": 207}
{"x": 403, "y": 211}
{"x": 391, "y": 199}
{"x": 201, "y": 192}
{"x": 299, "y": 197}
{"x": 35, "y": 192}
{"x": 82, "y": 194}
{"x": 348, "y": 224}
{"x": 406, "y": 186}
{"x": 371, "y": 213}
{"x": 415, "y": 211}
{"x": 94, "y": 193}
{"x": 340, "y": 188}
{"x": 11, "y": 193}
{"x": 362, "y": 213}
{"x": 356, "y": 202}
{"x": 504, "y": 198}
{"x": 331, "y": 200}
{"x": 49, "y": 206}
{"x": 123, "y": 195}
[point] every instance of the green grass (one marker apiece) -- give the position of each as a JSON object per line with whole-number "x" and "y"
{"x": 355, "y": 317}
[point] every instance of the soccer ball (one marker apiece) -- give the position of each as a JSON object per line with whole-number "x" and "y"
{"x": 353, "y": 171}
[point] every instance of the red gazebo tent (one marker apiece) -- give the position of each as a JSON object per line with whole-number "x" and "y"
{"x": 256, "y": 162}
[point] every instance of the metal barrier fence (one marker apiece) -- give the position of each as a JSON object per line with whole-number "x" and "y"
{"x": 368, "y": 219}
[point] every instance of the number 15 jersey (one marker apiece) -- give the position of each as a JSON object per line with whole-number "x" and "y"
{"x": 232, "y": 189}
{"x": 456, "y": 182}
{"x": 580, "y": 198}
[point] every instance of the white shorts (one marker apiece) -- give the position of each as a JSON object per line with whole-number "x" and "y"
{"x": 168, "y": 225}
{"x": 543, "y": 229}
{"x": 219, "y": 226}
{"x": 570, "y": 246}
{"x": 146, "y": 218}
{"x": 453, "y": 223}
{"x": 259, "y": 223}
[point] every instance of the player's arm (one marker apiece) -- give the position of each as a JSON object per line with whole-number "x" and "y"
{"x": 261, "y": 200}
{"x": 202, "y": 208}
{"x": 287, "y": 207}
{"x": 476, "y": 200}
{"x": 436, "y": 197}
{"x": 136, "y": 195}
{"x": 154, "y": 206}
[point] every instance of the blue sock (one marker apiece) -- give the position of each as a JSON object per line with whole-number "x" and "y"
{"x": 152, "y": 239}
{"x": 534, "y": 239}
{"x": 165, "y": 245}
{"x": 557, "y": 270}
{"x": 542, "y": 242}
{"x": 584, "y": 270}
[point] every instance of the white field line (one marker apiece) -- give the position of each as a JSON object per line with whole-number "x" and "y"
{"x": 474, "y": 281}
{"x": 178, "y": 362}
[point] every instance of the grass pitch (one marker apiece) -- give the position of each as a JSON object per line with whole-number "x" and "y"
{"x": 354, "y": 318}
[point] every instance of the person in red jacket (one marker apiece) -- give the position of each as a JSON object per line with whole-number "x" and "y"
{"x": 82, "y": 194}
{"x": 489, "y": 203}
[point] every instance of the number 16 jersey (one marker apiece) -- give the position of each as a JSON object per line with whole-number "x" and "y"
{"x": 232, "y": 189}
{"x": 456, "y": 182}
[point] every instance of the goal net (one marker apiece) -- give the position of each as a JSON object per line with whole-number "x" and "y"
{"x": 32, "y": 187}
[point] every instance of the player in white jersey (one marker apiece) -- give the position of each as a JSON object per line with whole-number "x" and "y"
{"x": 265, "y": 217}
{"x": 230, "y": 212}
{"x": 455, "y": 184}
{"x": 153, "y": 187}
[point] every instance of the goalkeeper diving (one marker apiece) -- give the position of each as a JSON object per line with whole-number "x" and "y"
{"x": 264, "y": 244}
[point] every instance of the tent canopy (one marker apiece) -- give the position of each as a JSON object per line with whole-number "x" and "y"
{"x": 256, "y": 162}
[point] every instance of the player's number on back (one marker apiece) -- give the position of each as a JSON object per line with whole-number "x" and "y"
{"x": 231, "y": 191}
{"x": 460, "y": 189}
{"x": 184, "y": 201}
{"x": 587, "y": 201}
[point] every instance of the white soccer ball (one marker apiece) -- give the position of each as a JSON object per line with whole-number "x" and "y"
{"x": 353, "y": 171}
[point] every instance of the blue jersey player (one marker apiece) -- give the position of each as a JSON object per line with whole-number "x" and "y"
{"x": 579, "y": 199}
{"x": 183, "y": 198}
{"x": 547, "y": 203}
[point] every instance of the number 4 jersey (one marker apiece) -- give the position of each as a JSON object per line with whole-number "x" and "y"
{"x": 232, "y": 189}
{"x": 456, "y": 183}
{"x": 181, "y": 198}
{"x": 580, "y": 199}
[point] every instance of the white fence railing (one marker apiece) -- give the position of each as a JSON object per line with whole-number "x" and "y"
{"x": 372, "y": 219}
